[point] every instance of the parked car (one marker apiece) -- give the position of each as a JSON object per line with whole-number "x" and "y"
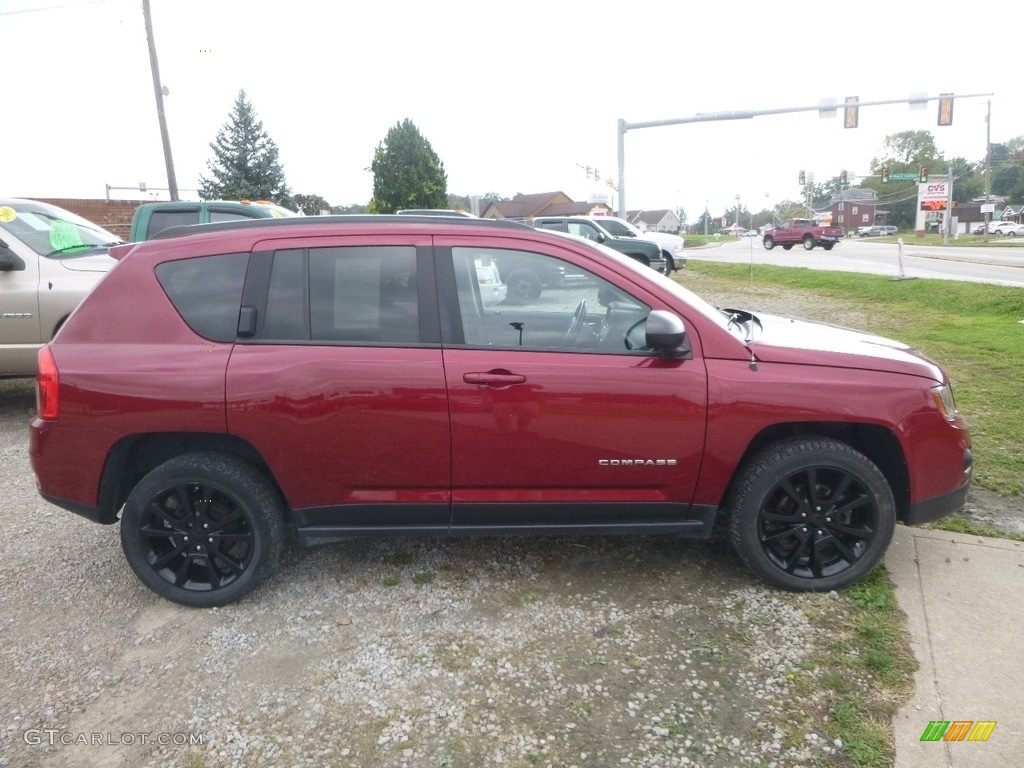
{"x": 344, "y": 377}
{"x": 882, "y": 230}
{"x": 152, "y": 218}
{"x": 671, "y": 245}
{"x": 595, "y": 228}
{"x": 492, "y": 290}
{"x": 49, "y": 260}
{"x": 1007, "y": 228}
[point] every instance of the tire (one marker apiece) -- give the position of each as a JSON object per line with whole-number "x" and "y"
{"x": 523, "y": 286}
{"x": 801, "y": 543}
{"x": 1011, "y": 234}
{"x": 808, "y": 243}
{"x": 670, "y": 263}
{"x": 198, "y": 500}
{"x": 827, "y": 246}
{"x": 787, "y": 246}
{"x": 769, "y": 243}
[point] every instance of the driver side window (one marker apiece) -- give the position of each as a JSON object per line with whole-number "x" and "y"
{"x": 522, "y": 300}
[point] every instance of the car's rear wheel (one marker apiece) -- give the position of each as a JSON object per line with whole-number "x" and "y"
{"x": 787, "y": 246}
{"x": 827, "y": 246}
{"x": 203, "y": 529}
{"x": 523, "y": 285}
{"x": 811, "y": 514}
{"x": 769, "y": 243}
{"x": 808, "y": 243}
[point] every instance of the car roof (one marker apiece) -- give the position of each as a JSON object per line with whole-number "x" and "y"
{"x": 301, "y": 222}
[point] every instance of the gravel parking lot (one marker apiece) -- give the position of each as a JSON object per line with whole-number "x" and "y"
{"x": 415, "y": 652}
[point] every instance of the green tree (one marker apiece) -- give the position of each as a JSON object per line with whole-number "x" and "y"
{"x": 681, "y": 215}
{"x": 245, "y": 165}
{"x": 311, "y": 205}
{"x": 349, "y": 210}
{"x": 407, "y": 173}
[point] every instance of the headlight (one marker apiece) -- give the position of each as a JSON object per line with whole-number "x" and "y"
{"x": 943, "y": 397}
{"x": 678, "y": 247}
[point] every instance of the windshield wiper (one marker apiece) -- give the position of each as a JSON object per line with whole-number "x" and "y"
{"x": 741, "y": 318}
{"x": 82, "y": 247}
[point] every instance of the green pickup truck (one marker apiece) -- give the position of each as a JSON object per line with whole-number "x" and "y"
{"x": 151, "y": 218}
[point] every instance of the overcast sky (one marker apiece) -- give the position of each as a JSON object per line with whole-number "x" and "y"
{"x": 513, "y": 97}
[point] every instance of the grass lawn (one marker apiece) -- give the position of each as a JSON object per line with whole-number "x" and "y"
{"x": 973, "y": 330}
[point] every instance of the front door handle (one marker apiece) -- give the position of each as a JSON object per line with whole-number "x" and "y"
{"x": 499, "y": 378}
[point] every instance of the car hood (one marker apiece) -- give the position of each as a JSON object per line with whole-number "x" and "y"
{"x": 785, "y": 340}
{"x": 94, "y": 262}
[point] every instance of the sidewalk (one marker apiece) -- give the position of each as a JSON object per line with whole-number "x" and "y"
{"x": 964, "y": 598}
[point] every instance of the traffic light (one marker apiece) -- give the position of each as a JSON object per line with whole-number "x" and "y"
{"x": 803, "y": 178}
{"x": 923, "y": 178}
{"x": 885, "y": 175}
{"x": 945, "y": 109}
{"x": 842, "y": 178}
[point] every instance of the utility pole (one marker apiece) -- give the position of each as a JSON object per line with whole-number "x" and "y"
{"x": 988, "y": 166}
{"x": 172, "y": 182}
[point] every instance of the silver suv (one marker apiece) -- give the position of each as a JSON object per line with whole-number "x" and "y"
{"x": 49, "y": 260}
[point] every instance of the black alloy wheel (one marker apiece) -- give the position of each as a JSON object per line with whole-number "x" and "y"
{"x": 202, "y": 529}
{"x": 812, "y": 514}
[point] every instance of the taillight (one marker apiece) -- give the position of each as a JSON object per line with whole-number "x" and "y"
{"x": 47, "y": 386}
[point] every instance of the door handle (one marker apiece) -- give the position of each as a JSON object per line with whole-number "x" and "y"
{"x": 494, "y": 378}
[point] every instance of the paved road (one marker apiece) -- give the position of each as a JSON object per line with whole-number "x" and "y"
{"x": 1003, "y": 266}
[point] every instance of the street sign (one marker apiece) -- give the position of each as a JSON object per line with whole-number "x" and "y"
{"x": 903, "y": 176}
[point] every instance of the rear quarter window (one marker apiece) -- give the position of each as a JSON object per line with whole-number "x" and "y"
{"x": 207, "y": 292}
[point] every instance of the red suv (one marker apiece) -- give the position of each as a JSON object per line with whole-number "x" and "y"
{"x": 345, "y": 377}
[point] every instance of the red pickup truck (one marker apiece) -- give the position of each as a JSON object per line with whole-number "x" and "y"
{"x": 793, "y": 231}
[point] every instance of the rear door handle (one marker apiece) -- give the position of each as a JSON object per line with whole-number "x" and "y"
{"x": 494, "y": 378}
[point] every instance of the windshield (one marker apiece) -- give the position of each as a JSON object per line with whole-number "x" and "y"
{"x": 52, "y": 231}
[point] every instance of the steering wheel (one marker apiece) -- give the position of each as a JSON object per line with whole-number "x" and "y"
{"x": 578, "y": 318}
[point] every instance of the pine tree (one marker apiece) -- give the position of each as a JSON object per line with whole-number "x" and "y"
{"x": 407, "y": 173}
{"x": 244, "y": 164}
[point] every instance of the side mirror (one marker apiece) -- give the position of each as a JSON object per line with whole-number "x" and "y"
{"x": 666, "y": 335}
{"x": 600, "y": 237}
{"x": 9, "y": 260}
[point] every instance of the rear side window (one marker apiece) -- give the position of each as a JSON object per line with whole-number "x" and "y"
{"x": 161, "y": 220}
{"x": 207, "y": 292}
{"x": 364, "y": 294}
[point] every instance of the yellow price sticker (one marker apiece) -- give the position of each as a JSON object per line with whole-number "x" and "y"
{"x": 7, "y": 213}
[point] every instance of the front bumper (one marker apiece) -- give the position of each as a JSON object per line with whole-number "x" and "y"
{"x": 940, "y": 506}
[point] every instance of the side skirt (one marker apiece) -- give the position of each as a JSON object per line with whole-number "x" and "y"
{"x": 325, "y": 525}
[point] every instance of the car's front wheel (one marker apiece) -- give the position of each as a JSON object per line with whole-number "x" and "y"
{"x": 769, "y": 243}
{"x": 203, "y": 529}
{"x": 811, "y": 514}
